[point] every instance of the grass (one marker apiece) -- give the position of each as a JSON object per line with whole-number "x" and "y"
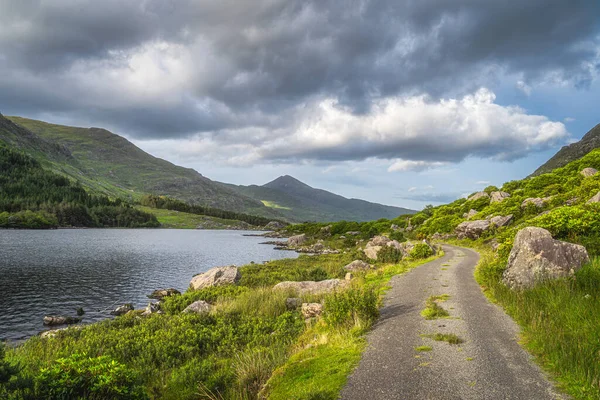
{"x": 181, "y": 220}
{"x": 559, "y": 322}
{"x": 272, "y": 204}
{"x": 433, "y": 310}
{"x": 423, "y": 348}
{"x": 450, "y": 338}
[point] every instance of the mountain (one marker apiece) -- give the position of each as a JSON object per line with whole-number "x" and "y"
{"x": 108, "y": 164}
{"x": 572, "y": 152}
{"x": 298, "y": 201}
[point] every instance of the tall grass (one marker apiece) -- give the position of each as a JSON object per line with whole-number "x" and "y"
{"x": 560, "y": 322}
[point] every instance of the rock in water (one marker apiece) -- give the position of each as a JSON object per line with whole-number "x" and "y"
{"x": 297, "y": 240}
{"x": 52, "y": 320}
{"x": 499, "y": 197}
{"x": 311, "y": 310}
{"x": 152, "y": 308}
{"x": 217, "y": 276}
{"x": 357, "y": 265}
{"x": 472, "y": 229}
{"x": 536, "y": 257}
{"x": 325, "y": 286}
{"x": 123, "y": 309}
{"x": 587, "y": 172}
{"x": 159, "y": 294}
{"x": 198, "y": 307}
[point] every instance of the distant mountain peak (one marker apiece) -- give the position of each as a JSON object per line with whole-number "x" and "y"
{"x": 286, "y": 181}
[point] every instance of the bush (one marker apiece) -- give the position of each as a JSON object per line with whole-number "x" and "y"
{"x": 354, "y": 307}
{"x": 176, "y": 304}
{"x": 398, "y": 236}
{"x": 389, "y": 255}
{"x": 83, "y": 377}
{"x": 421, "y": 250}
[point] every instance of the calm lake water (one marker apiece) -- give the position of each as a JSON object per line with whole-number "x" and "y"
{"x": 55, "y": 272}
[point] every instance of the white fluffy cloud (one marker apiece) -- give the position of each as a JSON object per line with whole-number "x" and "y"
{"x": 413, "y": 133}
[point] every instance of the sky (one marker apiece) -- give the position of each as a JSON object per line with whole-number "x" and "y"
{"x": 401, "y": 102}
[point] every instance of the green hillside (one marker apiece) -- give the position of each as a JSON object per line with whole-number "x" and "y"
{"x": 110, "y": 164}
{"x": 572, "y": 152}
{"x": 299, "y": 202}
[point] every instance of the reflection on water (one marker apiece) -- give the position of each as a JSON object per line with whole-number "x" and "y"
{"x": 55, "y": 272}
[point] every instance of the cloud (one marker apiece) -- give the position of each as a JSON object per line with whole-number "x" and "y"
{"x": 569, "y": 119}
{"x": 411, "y": 189}
{"x": 178, "y": 69}
{"x": 482, "y": 182}
{"x": 525, "y": 88}
{"x": 431, "y": 197}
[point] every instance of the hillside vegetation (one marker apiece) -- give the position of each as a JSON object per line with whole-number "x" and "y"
{"x": 560, "y": 319}
{"x": 32, "y": 197}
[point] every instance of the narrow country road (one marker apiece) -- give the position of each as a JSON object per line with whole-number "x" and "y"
{"x": 489, "y": 364}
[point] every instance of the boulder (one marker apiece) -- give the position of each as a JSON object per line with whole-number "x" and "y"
{"x": 326, "y": 230}
{"x": 537, "y": 201}
{"x": 292, "y": 303}
{"x": 353, "y": 233}
{"x": 501, "y": 221}
{"x": 494, "y": 244}
{"x": 297, "y": 240}
{"x": 405, "y": 248}
{"x": 394, "y": 227}
{"x": 348, "y": 276}
{"x": 379, "y": 241}
{"x": 122, "y": 309}
{"x": 52, "y": 320}
{"x": 311, "y": 310}
{"x": 472, "y": 229}
{"x": 311, "y": 287}
{"x": 274, "y": 226}
{"x": 478, "y": 195}
{"x": 357, "y": 265}
{"x": 198, "y": 307}
{"x": 499, "y": 197}
{"x": 595, "y": 199}
{"x": 470, "y": 214}
{"x": 217, "y": 276}
{"x": 536, "y": 257}
{"x": 159, "y": 294}
{"x": 572, "y": 201}
{"x": 371, "y": 251}
{"x": 587, "y": 172}
{"x": 152, "y": 308}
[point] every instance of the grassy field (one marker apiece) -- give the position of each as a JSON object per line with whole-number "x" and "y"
{"x": 181, "y": 220}
{"x": 272, "y": 204}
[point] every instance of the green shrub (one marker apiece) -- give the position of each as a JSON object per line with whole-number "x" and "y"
{"x": 176, "y": 304}
{"x": 389, "y": 255}
{"x": 83, "y": 377}
{"x": 398, "y": 236}
{"x": 353, "y": 307}
{"x": 420, "y": 251}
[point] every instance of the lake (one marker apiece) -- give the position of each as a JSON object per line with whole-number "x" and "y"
{"x": 56, "y": 271}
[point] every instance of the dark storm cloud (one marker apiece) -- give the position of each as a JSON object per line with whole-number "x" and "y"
{"x": 256, "y": 64}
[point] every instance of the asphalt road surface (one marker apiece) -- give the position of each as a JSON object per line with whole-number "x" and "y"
{"x": 489, "y": 364}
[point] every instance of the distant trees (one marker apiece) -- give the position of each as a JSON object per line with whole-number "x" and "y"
{"x": 35, "y": 198}
{"x": 167, "y": 203}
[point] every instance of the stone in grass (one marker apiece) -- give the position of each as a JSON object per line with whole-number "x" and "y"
{"x": 217, "y": 276}
{"x": 198, "y": 307}
{"x": 537, "y": 257}
{"x": 311, "y": 310}
{"x": 357, "y": 265}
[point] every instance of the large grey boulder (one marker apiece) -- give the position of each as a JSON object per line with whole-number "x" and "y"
{"x": 478, "y": 195}
{"x": 374, "y": 245}
{"x": 472, "y": 229}
{"x": 198, "y": 307}
{"x": 311, "y": 287}
{"x": 297, "y": 240}
{"x": 537, "y": 257}
{"x": 217, "y": 276}
{"x": 499, "y": 197}
{"x": 379, "y": 241}
{"x": 357, "y": 265}
{"x": 587, "y": 172}
{"x": 501, "y": 221}
{"x": 595, "y": 199}
{"x": 537, "y": 201}
{"x": 371, "y": 251}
